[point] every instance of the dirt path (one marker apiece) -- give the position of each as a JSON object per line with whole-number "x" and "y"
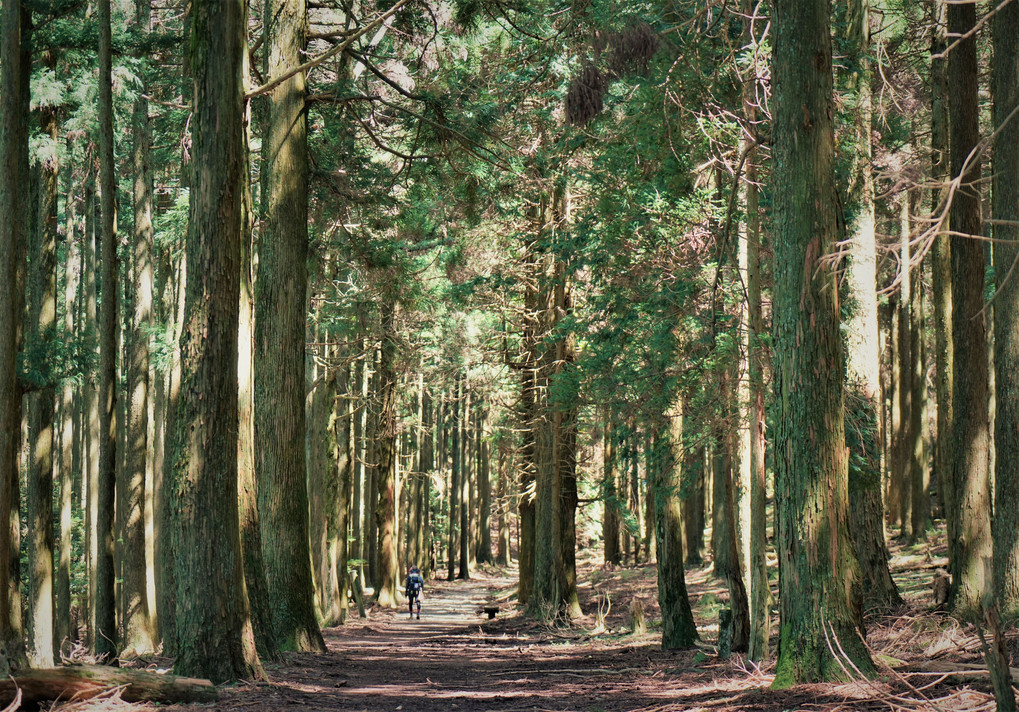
{"x": 455, "y": 659}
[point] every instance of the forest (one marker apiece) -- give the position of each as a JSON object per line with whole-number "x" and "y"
{"x": 576, "y": 300}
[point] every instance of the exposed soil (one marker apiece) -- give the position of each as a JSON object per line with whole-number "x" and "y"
{"x": 453, "y": 658}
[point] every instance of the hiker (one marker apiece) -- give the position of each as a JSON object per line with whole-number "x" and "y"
{"x": 415, "y": 587}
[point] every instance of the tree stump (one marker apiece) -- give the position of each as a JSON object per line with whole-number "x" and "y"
{"x": 940, "y": 588}
{"x": 355, "y": 586}
{"x": 637, "y": 623}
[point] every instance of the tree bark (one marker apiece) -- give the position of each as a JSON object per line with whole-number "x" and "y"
{"x": 901, "y": 474}
{"x": 253, "y": 561}
{"x": 318, "y": 446}
{"x": 971, "y": 549}
{"x": 633, "y": 481}
{"x": 1005, "y": 87}
{"x": 919, "y": 472}
{"x": 455, "y": 475}
{"x": 819, "y": 585}
{"x": 484, "y": 492}
{"x": 502, "y": 557}
{"x": 358, "y": 433}
{"x": 105, "y": 641}
{"x": 280, "y": 305}
{"x": 213, "y": 636}
{"x": 343, "y": 466}
{"x": 610, "y": 493}
{"x": 760, "y": 587}
{"x": 371, "y": 483}
{"x": 387, "y": 515}
{"x": 867, "y": 521}
{"x": 430, "y": 427}
{"x": 464, "y": 540}
{"x": 91, "y": 430}
{"x": 720, "y": 514}
{"x": 941, "y": 269}
{"x": 678, "y": 627}
{"x": 70, "y": 456}
{"x": 166, "y": 602}
{"x": 650, "y": 465}
{"x": 693, "y": 506}
{"x": 565, "y": 419}
{"x": 40, "y": 337}
{"x": 136, "y": 620}
{"x": 15, "y": 67}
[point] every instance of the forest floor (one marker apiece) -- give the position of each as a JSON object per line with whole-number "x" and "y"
{"x": 453, "y": 658}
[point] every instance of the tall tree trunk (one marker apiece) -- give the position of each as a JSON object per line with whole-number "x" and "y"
{"x": 166, "y": 601}
{"x": 442, "y": 453}
{"x": 280, "y": 305}
{"x": 729, "y": 564}
{"x": 693, "y": 506}
{"x": 678, "y": 627}
{"x": 472, "y": 458}
{"x": 1006, "y": 312}
{"x": 213, "y": 636}
{"x": 919, "y": 472}
{"x": 342, "y": 462}
{"x": 525, "y": 502}
{"x": 163, "y": 305}
{"x": 565, "y": 420}
{"x": 15, "y": 201}
{"x": 253, "y": 561}
{"x": 551, "y": 596}
{"x": 105, "y": 642}
{"x": 895, "y": 415}
{"x": 720, "y": 514}
{"x": 426, "y": 464}
{"x": 901, "y": 474}
{"x": 941, "y": 269}
{"x": 316, "y": 447}
{"x": 650, "y": 463}
{"x": 464, "y": 539}
{"x": 610, "y": 493}
{"x": 820, "y": 581}
{"x": 422, "y": 458}
{"x": 371, "y": 485}
{"x": 70, "y": 457}
{"x": 484, "y": 492}
{"x": 139, "y": 637}
{"x": 427, "y": 467}
{"x": 15, "y": 66}
{"x": 502, "y": 556}
{"x": 633, "y": 450}
{"x": 413, "y": 510}
{"x": 91, "y": 430}
{"x": 387, "y": 515}
{"x": 760, "y": 588}
{"x": 41, "y": 333}
{"x": 750, "y": 492}
{"x": 358, "y": 433}
{"x": 971, "y": 549}
{"x": 455, "y": 475}
{"x": 867, "y": 521}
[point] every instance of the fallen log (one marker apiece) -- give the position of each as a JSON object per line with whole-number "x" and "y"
{"x": 960, "y": 670}
{"x": 81, "y": 682}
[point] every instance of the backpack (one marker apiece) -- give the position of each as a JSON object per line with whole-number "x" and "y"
{"x": 414, "y": 585}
